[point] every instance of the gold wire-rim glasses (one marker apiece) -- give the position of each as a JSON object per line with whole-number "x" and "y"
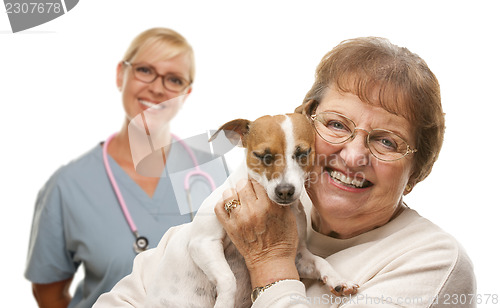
{"x": 353, "y": 130}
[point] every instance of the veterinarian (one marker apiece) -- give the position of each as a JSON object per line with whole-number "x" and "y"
{"x": 78, "y": 219}
{"x": 377, "y": 112}
{"x": 379, "y": 124}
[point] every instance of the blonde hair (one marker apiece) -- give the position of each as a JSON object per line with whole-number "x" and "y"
{"x": 381, "y": 73}
{"x": 171, "y": 42}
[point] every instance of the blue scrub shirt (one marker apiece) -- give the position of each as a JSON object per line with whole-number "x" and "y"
{"x": 78, "y": 220}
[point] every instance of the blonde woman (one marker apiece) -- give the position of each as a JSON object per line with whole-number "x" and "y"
{"x": 78, "y": 219}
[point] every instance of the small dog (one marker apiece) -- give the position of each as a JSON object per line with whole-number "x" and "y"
{"x": 201, "y": 267}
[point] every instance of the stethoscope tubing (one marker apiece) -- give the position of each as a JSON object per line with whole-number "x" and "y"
{"x": 116, "y": 189}
{"x": 121, "y": 200}
{"x": 197, "y": 168}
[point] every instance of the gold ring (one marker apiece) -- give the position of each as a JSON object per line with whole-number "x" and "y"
{"x": 228, "y": 206}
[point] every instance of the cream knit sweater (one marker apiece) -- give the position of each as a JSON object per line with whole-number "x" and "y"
{"x": 409, "y": 262}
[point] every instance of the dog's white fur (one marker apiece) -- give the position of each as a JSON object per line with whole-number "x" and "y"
{"x": 202, "y": 268}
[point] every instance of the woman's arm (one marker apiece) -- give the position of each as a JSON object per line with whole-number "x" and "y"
{"x": 52, "y": 295}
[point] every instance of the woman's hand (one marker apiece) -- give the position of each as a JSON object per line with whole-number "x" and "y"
{"x": 264, "y": 232}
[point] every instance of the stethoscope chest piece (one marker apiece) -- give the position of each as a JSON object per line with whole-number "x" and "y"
{"x": 141, "y": 244}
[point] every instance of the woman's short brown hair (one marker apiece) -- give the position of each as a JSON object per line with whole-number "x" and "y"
{"x": 383, "y": 74}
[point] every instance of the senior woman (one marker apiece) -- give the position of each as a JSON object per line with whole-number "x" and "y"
{"x": 377, "y": 113}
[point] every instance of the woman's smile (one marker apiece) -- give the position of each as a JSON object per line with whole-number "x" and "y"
{"x": 146, "y": 104}
{"x": 353, "y": 183}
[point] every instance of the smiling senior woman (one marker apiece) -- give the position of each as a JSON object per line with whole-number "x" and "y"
{"x": 377, "y": 113}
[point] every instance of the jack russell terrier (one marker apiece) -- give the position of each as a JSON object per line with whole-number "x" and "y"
{"x": 202, "y": 268}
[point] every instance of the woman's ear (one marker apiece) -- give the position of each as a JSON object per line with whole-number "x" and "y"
{"x": 412, "y": 181}
{"x": 119, "y": 76}
{"x": 185, "y": 96}
{"x": 408, "y": 188}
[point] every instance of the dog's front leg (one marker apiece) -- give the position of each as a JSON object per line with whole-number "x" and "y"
{"x": 207, "y": 252}
{"x": 315, "y": 267}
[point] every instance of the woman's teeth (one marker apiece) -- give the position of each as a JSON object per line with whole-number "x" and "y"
{"x": 151, "y": 105}
{"x": 347, "y": 180}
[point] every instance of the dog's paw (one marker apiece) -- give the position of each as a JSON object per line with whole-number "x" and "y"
{"x": 344, "y": 288}
{"x": 341, "y": 288}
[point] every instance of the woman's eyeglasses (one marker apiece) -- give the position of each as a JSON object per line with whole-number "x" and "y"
{"x": 146, "y": 73}
{"x": 336, "y": 128}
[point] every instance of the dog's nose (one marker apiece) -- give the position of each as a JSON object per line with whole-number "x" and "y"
{"x": 285, "y": 192}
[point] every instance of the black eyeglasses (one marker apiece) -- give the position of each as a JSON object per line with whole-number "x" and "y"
{"x": 336, "y": 128}
{"x": 147, "y": 73}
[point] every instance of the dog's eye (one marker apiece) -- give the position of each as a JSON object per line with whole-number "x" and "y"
{"x": 266, "y": 158}
{"x": 301, "y": 154}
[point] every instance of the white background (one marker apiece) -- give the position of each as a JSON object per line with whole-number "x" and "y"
{"x": 59, "y": 98}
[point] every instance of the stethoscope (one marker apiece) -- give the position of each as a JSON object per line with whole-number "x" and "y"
{"x": 141, "y": 242}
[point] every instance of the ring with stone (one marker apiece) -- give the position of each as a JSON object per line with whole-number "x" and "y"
{"x": 228, "y": 206}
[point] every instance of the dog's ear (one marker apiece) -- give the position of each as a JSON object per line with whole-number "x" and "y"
{"x": 236, "y": 132}
{"x": 307, "y": 107}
